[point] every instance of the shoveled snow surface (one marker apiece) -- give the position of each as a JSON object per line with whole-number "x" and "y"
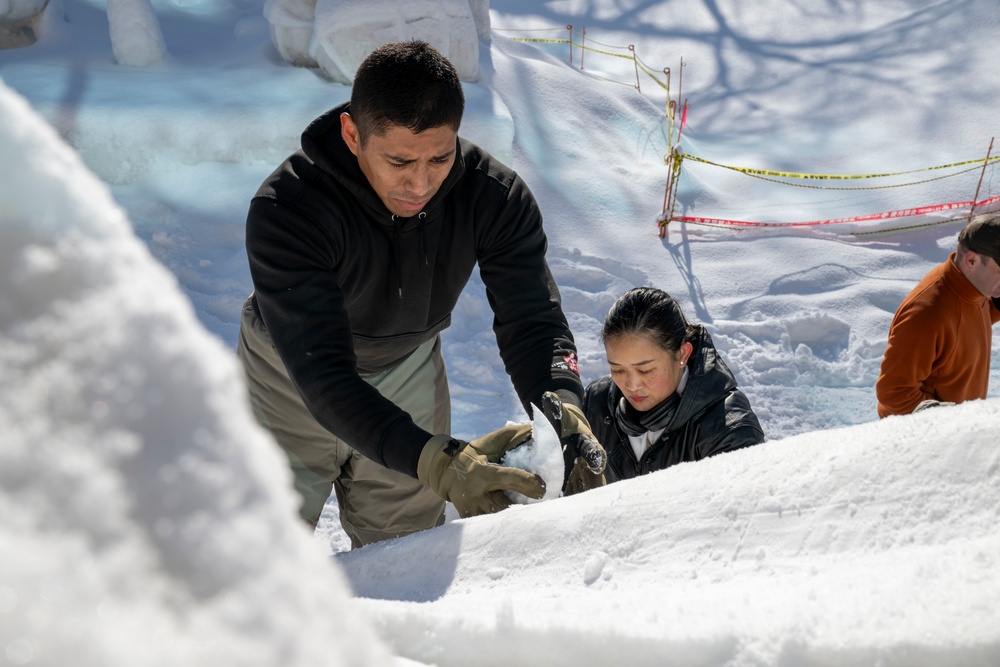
{"x": 870, "y": 545}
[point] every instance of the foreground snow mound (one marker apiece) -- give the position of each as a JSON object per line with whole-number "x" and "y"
{"x": 144, "y": 518}
{"x": 874, "y": 544}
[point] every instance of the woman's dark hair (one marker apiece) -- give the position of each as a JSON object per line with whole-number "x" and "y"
{"x": 406, "y": 84}
{"x": 650, "y": 312}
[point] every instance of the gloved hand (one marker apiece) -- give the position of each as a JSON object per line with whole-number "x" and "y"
{"x": 585, "y": 458}
{"x": 930, "y": 403}
{"x": 469, "y": 474}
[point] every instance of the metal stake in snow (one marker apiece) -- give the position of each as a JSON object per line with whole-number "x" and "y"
{"x": 975, "y": 198}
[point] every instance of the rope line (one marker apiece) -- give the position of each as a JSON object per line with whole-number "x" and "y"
{"x": 651, "y": 73}
{"x": 610, "y": 46}
{"x": 529, "y": 29}
{"x": 837, "y": 177}
{"x": 676, "y": 157}
{"x": 870, "y": 187}
{"x": 887, "y": 215}
{"x": 905, "y": 228}
{"x": 541, "y": 40}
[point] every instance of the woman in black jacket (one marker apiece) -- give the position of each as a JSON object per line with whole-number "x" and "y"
{"x": 670, "y": 397}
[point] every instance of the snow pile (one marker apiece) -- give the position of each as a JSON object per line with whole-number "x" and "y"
{"x": 337, "y": 35}
{"x": 19, "y": 22}
{"x": 873, "y": 544}
{"x": 144, "y": 517}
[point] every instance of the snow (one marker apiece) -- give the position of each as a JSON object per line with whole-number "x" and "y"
{"x": 145, "y": 518}
{"x": 542, "y": 455}
{"x": 19, "y": 20}
{"x": 337, "y": 35}
{"x": 826, "y": 548}
{"x": 136, "y": 38}
{"x": 141, "y": 505}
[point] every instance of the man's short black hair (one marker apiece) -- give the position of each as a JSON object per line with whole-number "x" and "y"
{"x": 406, "y": 84}
{"x": 982, "y": 236}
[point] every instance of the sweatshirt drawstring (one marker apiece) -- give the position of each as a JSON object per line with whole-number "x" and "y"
{"x": 399, "y": 255}
{"x": 422, "y": 217}
{"x": 423, "y": 238}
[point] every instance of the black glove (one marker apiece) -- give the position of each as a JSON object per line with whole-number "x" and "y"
{"x": 584, "y": 457}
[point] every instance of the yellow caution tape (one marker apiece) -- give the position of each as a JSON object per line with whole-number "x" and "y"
{"x": 835, "y": 177}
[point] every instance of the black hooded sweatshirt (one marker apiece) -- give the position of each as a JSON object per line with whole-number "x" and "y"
{"x": 711, "y": 417}
{"x": 345, "y": 288}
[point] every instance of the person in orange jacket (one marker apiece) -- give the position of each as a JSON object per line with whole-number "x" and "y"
{"x": 942, "y": 333}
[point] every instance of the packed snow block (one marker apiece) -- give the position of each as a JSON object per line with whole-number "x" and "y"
{"x": 290, "y": 23}
{"x": 481, "y": 16}
{"x": 136, "y": 38}
{"x": 19, "y": 20}
{"x": 345, "y": 32}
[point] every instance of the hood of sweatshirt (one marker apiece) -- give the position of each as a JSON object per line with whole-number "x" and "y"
{"x": 323, "y": 144}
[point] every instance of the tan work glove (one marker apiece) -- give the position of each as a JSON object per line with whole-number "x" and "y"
{"x": 930, "y": 403}
{"x": 585, "y": 458}
{"x": 469, "y": 474}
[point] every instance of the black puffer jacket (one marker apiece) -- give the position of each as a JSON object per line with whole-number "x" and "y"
{"x": 713, "y": 416}
{"x": 344, "y": 287}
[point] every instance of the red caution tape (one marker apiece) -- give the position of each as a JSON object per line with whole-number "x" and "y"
{"x": 888, "y": 215}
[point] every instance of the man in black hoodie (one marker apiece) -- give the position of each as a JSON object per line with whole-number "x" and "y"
{"x": 359, "y": 246}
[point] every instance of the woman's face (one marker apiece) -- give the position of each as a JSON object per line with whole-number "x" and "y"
{"x": 645, "y": 373}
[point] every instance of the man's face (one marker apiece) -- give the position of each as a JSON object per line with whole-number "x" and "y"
{"x": 405, "y": 169}
{"x": 984, "y": 273}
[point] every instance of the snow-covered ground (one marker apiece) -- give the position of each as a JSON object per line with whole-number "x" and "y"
{"x": 147, "y": 520}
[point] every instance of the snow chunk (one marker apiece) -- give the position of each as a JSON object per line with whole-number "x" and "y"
{"x": 542, "y": 455}
{"x": 136, "y": 39}
{"x": 290, "y": 23}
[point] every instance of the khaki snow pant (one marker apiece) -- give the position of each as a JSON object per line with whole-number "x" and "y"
{"x": 376, "y": 503}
